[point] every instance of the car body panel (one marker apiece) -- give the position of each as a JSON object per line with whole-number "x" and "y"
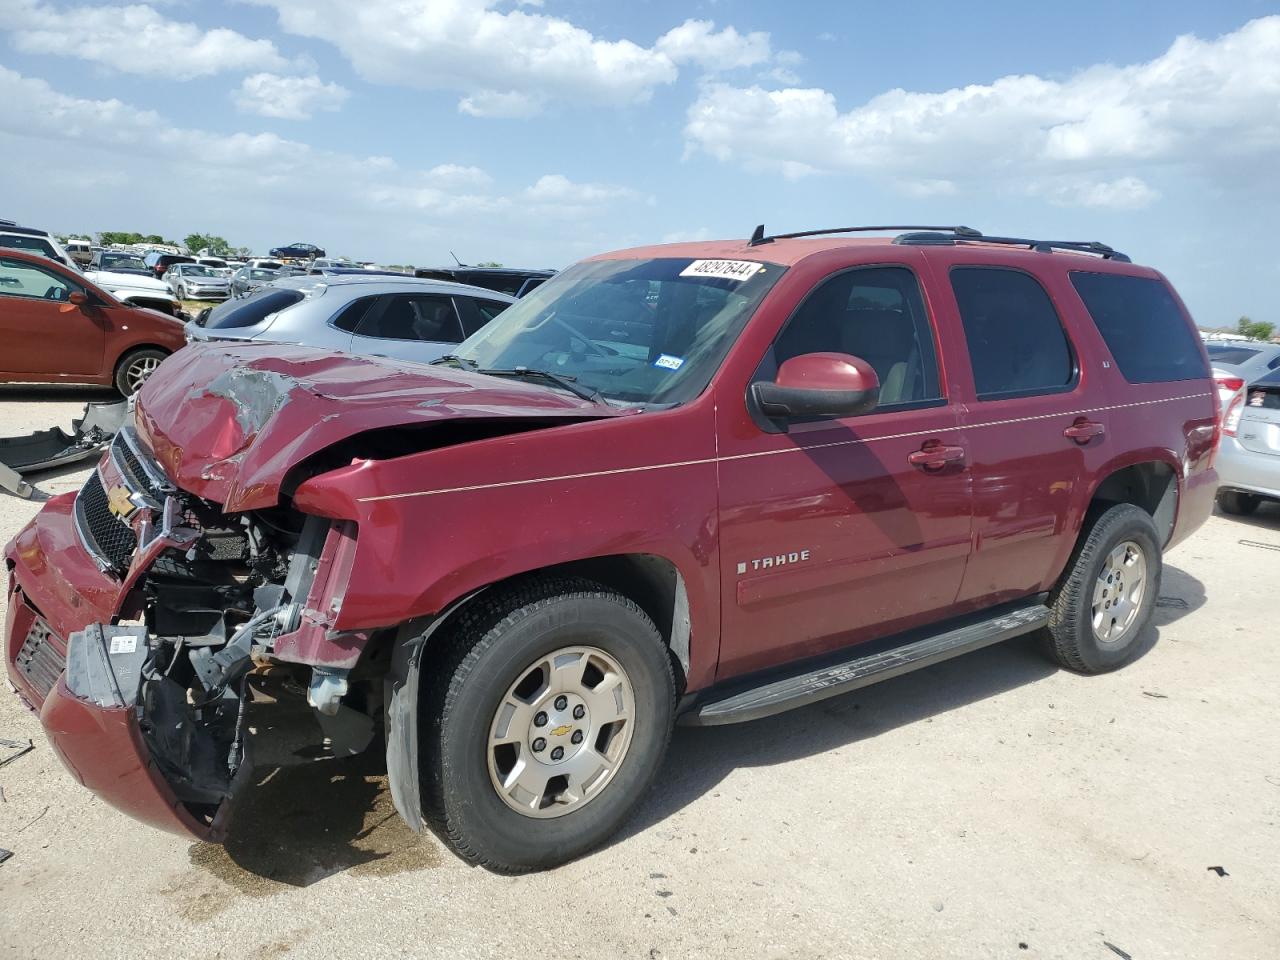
{"x": 90, "y": 339}
{"x": 310, "y": 321}
{"x": 452, "y": 481}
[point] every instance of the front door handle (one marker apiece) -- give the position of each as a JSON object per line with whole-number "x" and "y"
{"x": 1084, "y": 430}
{"x": 935, "y": 456}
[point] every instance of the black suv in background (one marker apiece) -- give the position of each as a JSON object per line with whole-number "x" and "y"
{"x": 159, "y": 263}
{"x": 512, "y": 281}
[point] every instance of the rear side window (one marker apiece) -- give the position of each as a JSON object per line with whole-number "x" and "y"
{"x": 1016, "y": 342}
{"x": 1145, "y": 330}
{"x": 245, "y": 313}
{"x": 413, "y": 316}
{"x": 17, "y": 241}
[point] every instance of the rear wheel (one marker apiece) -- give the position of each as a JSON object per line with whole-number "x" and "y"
{"x": 548, "y": 712}
{"x": 1237, "y": 503}
{"x": 134, "y": 368}
{"x": 1107, "y": 593}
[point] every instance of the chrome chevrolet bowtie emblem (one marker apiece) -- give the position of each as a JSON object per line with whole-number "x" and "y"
{"x": 120, "y": 503}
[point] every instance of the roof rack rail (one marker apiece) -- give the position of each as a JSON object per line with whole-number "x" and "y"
{"x": 925, "y": 236}
{"x": 1041, "y": 246}
{"x": 758, "y": 235}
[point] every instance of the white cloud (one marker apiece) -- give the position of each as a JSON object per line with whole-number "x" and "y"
{"x": 1123, "y": 193}
{"x": 263, "y": 179}
{"x": 491, "y": 103}
{"x": 289, "y": 98}
{"x": 135, "y": 39}
{"x": 1204, "y": 105}
{"x": 557, "y": 195}
{"x": 695, "y": 41}
{"x": 502, "y": 63}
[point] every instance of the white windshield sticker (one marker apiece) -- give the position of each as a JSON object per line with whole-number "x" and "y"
{"x": 667, "y": 361}
{"x": 728, "y": 269}
{"x": 124, "y": 643}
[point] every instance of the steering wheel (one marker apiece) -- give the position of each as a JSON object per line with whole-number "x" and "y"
{"x": 592, "y": 346}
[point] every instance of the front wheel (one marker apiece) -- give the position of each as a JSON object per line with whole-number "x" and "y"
{"x": 548, "y": 711}
{"x": 1107, "y": 593}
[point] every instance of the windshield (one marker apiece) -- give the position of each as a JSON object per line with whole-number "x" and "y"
{"x": 195, "y": 270}
{"x": 123, "y": 263}
{"x": 262, "y": 274}
{"x": 638, "y": 331}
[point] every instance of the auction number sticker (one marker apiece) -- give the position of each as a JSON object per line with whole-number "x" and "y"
{"x": 724, "y": 269}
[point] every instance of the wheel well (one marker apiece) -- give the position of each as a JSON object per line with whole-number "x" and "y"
{"x": 134, "y": 349}
{"x": 1150, "y": 485}
{"x": 653, "y": 583}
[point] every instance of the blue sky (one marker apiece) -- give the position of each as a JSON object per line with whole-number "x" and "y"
{"x": 537, "y": 133}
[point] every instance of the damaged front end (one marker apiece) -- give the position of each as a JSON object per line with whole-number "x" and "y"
{"x": 207, "y": 600}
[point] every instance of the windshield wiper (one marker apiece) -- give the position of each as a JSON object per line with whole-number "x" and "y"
{"x": 563, "y": 380}
{"x": 453, "y": 358}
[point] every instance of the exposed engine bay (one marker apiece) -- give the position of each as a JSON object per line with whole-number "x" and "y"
{"x": 211, "y": 599}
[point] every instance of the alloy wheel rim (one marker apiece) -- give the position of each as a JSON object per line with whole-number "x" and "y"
{"x": 1118, "y": 592}
{"x": 138, "y": 372}
{"x": 561, "y": 732}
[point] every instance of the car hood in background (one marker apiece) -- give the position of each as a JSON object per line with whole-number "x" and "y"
{"x": 131, "y": 281}
{"x": 227, "y": 422}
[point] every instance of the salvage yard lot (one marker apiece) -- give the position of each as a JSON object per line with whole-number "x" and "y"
{"x": 963, "y": 811}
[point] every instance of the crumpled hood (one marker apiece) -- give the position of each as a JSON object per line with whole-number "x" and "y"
{"x": 227, "y": 422}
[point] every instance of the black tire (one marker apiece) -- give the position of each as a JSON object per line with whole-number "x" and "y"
{"x": 126, "y": 369}
{"x": 496, "y": 639}
{"x": 1071, "y": 640}
{"x": 1237, "y": 503}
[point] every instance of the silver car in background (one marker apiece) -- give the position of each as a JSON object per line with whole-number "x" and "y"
{"x": 1249, "y": 457}
{"x": 195, "y": 281}
{"x": 400, "y": 317}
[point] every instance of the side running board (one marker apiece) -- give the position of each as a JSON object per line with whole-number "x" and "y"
{"x": 774, "y": 695}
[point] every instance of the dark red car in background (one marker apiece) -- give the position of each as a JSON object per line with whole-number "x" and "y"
{"x": 57, "y": 327}
{"x": 703, "y": 480}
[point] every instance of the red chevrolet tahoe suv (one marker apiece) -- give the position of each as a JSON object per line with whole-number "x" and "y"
{"x": 709, "y": 481}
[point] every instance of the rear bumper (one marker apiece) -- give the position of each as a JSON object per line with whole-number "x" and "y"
{"x": 1195, "y": 504}
{"x": 1241, "y": 469}
{"x": 56, "y": 589}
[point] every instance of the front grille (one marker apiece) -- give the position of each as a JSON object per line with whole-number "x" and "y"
{"x": 105, "y": 535}
{"x": 135, "y": 474}
{"x": 39, "y": 660}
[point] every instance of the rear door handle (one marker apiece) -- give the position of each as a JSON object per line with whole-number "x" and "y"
{"x": 1084, "y": 430}
{"x": 935, "y": 456}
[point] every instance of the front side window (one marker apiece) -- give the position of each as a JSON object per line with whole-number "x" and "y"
{"x": 637, "y": 331}
{"x": 877, "y": 314}
{"x": 21, "y": 279}
{"x": 1017, "y": 346}
{"x": 412, "y": 316}
{"x": 1144, "y": 328}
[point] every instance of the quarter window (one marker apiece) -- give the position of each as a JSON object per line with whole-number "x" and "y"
{"x": 1017, "y": 346}
{"x": 876, "y": 314}
{"x": 1145, "y": 329}
{"x": 349, "y": 317}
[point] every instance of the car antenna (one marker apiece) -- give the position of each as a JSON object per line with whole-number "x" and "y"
{"x": 455, "y": 259}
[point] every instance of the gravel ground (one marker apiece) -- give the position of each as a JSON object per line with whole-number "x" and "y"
{"x": 992, "y": 806}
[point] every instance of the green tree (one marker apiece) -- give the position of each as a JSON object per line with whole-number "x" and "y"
{"x": 1255, "y": 329}
{"x": 216, "y": 245}
{"x": 488, "y": 263}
